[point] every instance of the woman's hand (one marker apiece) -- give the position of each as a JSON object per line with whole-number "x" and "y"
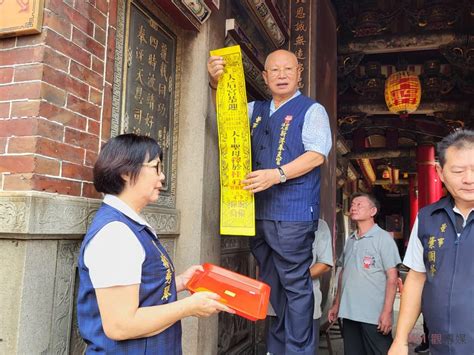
{"x": 183, "y": 279}
{"x": 398, "y": 348}
{"x": 205, "y": 304}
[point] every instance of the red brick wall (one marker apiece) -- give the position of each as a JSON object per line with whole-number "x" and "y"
{"x": 55, "y": 98}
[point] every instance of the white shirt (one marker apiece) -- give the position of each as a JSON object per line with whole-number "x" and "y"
{"x": 414, "y": 254}
{"x": 114, "y": 255}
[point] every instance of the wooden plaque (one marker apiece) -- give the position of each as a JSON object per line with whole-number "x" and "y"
{"x": 148, "y": 92}
{"x": 21, "y": 17}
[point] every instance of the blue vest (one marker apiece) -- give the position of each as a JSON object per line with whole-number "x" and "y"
{"x": 448, "y": 294}
{"x": 153, "y": 291}
{"x": 276, "y": 141}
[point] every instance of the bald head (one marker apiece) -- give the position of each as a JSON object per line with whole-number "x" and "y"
{"x": 280, "y": 54}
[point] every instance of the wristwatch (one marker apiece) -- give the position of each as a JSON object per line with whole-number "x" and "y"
{"x": 282, "y": 175}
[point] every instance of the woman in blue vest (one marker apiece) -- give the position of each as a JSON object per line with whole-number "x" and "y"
{"x": 127, "y": 300}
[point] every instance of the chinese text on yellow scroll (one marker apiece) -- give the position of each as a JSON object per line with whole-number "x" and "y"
{"x": 237, "y": 205}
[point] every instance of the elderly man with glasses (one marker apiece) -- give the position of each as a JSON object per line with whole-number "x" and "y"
{"x": 291, "y": 139}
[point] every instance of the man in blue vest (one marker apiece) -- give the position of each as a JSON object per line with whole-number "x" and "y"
{"x": 440, "y": 255}
{"x": 291, "y": 139}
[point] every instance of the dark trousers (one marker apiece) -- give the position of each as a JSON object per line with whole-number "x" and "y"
{"x": 364, "y": 339}
{"x": 316, "y": 323}
{"x": 284, "y": 253}
{"x": 426, "y": 333}
{"x": 316, "y": 333}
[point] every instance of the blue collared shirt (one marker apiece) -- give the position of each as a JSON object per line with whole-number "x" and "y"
{"x": 316, "y": 132}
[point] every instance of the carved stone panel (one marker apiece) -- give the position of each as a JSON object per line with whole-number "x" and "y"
{"x": 76, "y": 344}
{"x": 12, "y": 215}
{"x": 164, "y": 221}
{"x": 64, "y": 299}
{"x": 43, "y": 216}
{"x": 67, "y": 215}
{"x": 236, "y": 334}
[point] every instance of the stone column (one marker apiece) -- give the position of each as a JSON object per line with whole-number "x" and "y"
{"x": 198, "y": 178}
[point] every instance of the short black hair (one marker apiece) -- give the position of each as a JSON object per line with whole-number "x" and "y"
{"x": 123, "y": 154}
{"x": 463, "y": 138}
{"x": 370, "y": 197}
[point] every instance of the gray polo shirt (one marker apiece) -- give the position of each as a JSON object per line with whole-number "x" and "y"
{"x": 365, "y": 261}
{"x": 322, "y": 253}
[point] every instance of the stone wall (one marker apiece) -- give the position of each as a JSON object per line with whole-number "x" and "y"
{"x": 40, "y": 237}
{"x": 55, "y": 93}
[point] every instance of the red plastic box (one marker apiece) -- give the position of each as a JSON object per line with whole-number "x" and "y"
{"x": 248, "y": 297}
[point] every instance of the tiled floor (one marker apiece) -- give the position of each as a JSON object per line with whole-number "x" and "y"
{"x": 414, "y": 339}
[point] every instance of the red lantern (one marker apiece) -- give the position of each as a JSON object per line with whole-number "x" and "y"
{"x": 402, "y": 93}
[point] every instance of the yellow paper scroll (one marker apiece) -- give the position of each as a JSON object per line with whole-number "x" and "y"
{"x": 237, "y": 205}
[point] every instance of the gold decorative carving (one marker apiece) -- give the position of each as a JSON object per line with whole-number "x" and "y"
{"x": 269, "y": 23}
{"x": 198, "y": 8}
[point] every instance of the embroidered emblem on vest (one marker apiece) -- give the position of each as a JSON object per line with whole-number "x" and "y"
{"x": 368, "y": 262}
{"x": 431, "y": 242}
{"x": 434, "y": 244}
{"x": 255, "y": 124}
{"x": 440, "y": 242}
{"x": 284, "y": 129}
{"x": 169, "y": 273}
{"x": 432, "y": 255}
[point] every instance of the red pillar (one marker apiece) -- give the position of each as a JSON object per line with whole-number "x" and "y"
{"x": 413, "y": 195}
{"x": 438, "y": 187}
{"x": 429, "y": 184}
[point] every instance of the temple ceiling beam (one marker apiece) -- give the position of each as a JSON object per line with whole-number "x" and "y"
{"x": 382, "y": 154}
{"x": 397, "y": 43}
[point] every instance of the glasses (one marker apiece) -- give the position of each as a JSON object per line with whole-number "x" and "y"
{"x": 156, "y": 164}
{"x": 275, "y": 72}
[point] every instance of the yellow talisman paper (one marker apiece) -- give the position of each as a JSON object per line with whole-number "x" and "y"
{"x": 237, "y": 205}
